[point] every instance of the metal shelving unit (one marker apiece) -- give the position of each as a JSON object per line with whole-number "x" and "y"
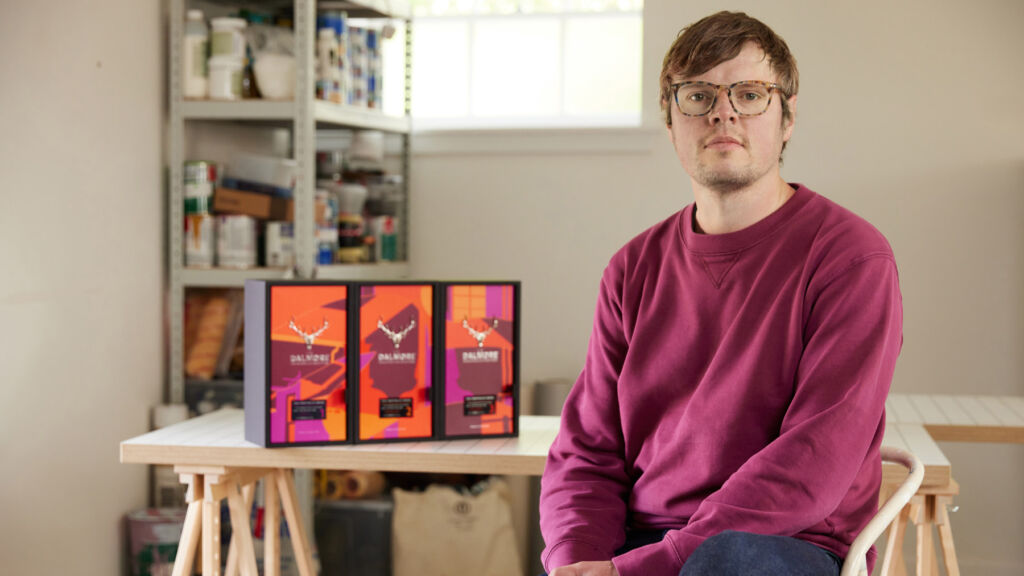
{"x": 303, "y": 116}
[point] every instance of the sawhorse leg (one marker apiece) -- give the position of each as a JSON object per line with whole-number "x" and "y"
{"x": 207, "y": 487}
{"x": 927, "y": 509}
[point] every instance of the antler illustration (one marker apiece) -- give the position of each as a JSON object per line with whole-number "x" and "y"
{"x": 308, "y": 338}
{"x": 396, "y": 337}
{"x": 479, "y": 336}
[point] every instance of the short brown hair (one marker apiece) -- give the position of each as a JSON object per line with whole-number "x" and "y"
{"x": 719, "y": 37}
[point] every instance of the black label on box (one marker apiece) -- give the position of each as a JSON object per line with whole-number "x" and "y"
{"x": 309, "y": 410}
{"x": 396, "y": 408}
{"x": 478, "y": 405}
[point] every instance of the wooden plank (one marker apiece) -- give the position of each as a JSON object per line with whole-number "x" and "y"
{"x": 296, "y": 529}
{"x": 241, "y": 532}
{"x": 998, "y": 434}
{"x": 271, "y": 527}
{"x": 211, "y": 537}
{"x": 231, "y": 569}
{"x": 186, "y": 556}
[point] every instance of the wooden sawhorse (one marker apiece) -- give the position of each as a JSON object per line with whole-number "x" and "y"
{"x": 928, "y": 508}
{"x": 207, "y": 486}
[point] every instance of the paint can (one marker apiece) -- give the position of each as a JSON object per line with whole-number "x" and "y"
{"x": 236, "y": 241}
{"x": 200, "y": 180}
{"x": 199, "y": 240}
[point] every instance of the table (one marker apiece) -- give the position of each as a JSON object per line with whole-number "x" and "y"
{"x": 951, "y": 418}
{"x": 213, "y": 458}
{"x": 961, "y": 418}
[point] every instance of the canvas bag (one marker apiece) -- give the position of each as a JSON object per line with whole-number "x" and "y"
{"x": 440, "y": 532}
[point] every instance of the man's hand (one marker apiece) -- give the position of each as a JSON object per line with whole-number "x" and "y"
{"x": 586, "y": 569}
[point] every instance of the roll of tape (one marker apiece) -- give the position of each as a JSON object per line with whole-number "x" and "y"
{"x": 360, "y": 484}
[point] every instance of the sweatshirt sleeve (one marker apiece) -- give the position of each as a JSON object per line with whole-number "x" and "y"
{"x": 834, "y": 424}
{"x": 585, "y": 485}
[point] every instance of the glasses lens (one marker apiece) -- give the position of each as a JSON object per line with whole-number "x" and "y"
{"x": 695, "y": 99}
{"x": 750, "y": 98}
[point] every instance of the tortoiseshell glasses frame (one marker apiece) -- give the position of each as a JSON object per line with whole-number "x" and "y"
{"x": 699, "y": 98}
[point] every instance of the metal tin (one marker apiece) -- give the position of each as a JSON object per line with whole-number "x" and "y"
{"x": 199, "y": 240}
{"x": 236, "y": 241}
{"x": 200, "y": 180}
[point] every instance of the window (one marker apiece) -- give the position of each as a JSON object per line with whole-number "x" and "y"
{"x": 526, "y": 63}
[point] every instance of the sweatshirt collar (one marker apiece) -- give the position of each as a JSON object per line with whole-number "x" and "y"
{"x": 745, "y": 238}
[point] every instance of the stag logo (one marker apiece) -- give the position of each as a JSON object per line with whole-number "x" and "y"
{"x": 395, "y": 337}
{"x": 307, "y": 338}
{"x": 477, "y": 335}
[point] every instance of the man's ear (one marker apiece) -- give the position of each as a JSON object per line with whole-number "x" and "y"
{"x": 791, "y": 122}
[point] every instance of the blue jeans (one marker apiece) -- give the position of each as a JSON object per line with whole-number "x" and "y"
{"x": 734, "y": 553}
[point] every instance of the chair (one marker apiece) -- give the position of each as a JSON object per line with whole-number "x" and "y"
{"x": 856, "y": 558}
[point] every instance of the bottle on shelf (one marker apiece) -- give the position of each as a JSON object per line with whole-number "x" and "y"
{"x": 195, "y": 52}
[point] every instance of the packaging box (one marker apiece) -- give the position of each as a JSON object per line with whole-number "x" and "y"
{"x": 260, "y": 206}
{"x": 478, "y": 383}
{"x": 394, "y": 324}
{"x": 296, "y": 363}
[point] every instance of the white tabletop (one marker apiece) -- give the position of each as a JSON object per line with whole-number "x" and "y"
{"x": 217, "y": 439}
{"x": 961, "y": 418}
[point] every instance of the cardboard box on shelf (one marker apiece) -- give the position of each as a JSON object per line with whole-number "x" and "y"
{"x": 260, "y": 206}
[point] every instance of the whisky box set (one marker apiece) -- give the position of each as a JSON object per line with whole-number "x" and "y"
{"x": 360, "y": 362}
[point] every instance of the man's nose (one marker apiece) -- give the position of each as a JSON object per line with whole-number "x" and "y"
{"x": 723, "y": 110}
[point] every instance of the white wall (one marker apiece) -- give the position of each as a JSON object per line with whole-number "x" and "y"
{"x": 906, "y": 115}
{"x": 81, "y": 258}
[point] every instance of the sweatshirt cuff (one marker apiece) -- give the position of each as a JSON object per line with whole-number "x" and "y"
{"x": 659, "y": 559}
{"x": 570, "y": 552}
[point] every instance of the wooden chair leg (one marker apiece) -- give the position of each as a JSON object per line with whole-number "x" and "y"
{"x": 303, "y": 556}
{"x": 271, "y": 527}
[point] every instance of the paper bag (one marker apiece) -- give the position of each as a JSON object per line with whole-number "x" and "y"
{"x": 440, "y": 532}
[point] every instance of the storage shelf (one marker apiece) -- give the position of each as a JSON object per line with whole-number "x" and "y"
{"x": 230, "y": 278}
{"x": 370, "y": 8}
{"x": 326, "y": 114}
{"x": 380, "y": 271}
{"x": 238, "y": 110}
{"x": 355, "y": 8}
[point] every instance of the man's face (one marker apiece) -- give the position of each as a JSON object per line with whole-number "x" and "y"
{"x": 722, "y": 150}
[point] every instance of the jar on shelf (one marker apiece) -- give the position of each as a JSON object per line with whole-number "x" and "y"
{"x": 194, "y": 51}
{"x": 226, "y": 77}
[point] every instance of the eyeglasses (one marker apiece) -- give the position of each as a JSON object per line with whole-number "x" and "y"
{"x": 748, "y": 97}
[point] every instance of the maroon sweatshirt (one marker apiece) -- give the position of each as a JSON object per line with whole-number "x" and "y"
{"x": 733, "y": 382}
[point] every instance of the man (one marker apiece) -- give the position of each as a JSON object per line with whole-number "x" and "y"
{"x": 730, "y": 412}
